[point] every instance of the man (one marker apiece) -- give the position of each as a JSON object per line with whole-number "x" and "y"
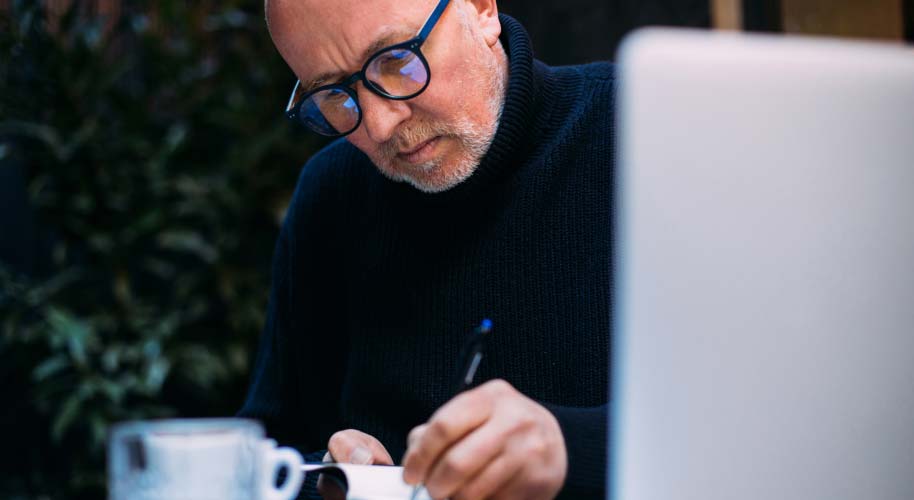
{"x": 472, "y": 182}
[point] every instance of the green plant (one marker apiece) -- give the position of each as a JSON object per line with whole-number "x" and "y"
{"x": 157, "y": 157}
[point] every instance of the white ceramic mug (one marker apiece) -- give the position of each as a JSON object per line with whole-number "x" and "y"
{"x": 199, "y": 459}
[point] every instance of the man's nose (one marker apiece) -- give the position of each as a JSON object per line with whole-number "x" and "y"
{"x": 381, "y": 116}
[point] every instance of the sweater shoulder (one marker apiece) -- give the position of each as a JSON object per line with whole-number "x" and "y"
{"x": 603, "y": 70}
{"x": 331, "y": 163}
{"x": 580, "y": 105}
{"x": 325, "y": 177}
{"x": 580, "y": 85}
{"x": 592, "y": 73}
{"x": 597, "y": 80}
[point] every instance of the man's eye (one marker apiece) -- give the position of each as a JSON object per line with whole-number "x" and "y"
{"x": 331, "y": 98}
{"x": 337, "y": 96}
{"x": 393, "y": 61}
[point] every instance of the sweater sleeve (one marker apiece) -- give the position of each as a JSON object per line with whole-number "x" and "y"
{"x": 294, "y": 389}
{"x": 584, "y": 430}
{"x": 296, "y": 381}
{"x": 271, "y": 398}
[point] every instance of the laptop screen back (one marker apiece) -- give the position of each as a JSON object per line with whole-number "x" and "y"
{"x": 764, "y": 317}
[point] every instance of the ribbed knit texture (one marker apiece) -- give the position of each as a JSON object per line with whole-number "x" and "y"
{"x": 377, "y": 285}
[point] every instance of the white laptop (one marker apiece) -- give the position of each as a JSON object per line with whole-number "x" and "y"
{"x": 764, "y": 300}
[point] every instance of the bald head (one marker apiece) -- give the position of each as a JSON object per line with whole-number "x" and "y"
{"x": 337, "y": 29}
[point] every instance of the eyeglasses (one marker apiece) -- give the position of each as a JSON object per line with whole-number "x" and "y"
{"x": 396, "y": 72}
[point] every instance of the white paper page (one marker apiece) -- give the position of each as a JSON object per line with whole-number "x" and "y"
{"x": 373, "y": 482}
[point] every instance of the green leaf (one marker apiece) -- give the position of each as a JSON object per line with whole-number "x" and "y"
{"x": 65, "y": 417}
{"x": 156, "y": 374}
{"x": 99, "y": 430}
{"x": 72, "y": 332}
{"x": 177, "y": 133}
{"x": 50, "y": 367}
{"x": 152, "y": 349}
{"x": 188, "y": 241}
{"x": 114, "y": 391}
{"x": 111, "y": 358}
{"x": 38, "y": 131}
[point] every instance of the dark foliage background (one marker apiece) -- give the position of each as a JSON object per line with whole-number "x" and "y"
{"x": 155, "y": 158}
{"x": 579, "y": 31}
{"x": 144, "y": 169}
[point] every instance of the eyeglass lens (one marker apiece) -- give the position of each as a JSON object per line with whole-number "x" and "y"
{"x": 330, "y": 112}
{"x": 397, "y": 72}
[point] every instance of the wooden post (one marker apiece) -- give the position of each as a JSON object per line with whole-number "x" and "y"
{"x": 881, "y": 19}
{"x": 727, "y": 14}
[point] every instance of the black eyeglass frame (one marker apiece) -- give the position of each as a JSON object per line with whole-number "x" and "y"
{"x": 413, "y": 45}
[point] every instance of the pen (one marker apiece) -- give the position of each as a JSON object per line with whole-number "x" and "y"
{"x": 471, "y": 356}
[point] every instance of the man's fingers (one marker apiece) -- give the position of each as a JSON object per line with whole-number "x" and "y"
{"x": 356, "y": 447}
{"x": 415, "y": 435}
{"x": 523, "y": 486}
{"x": 498, "y": 473}
{"x": 541, "y": 472}
{"x": 464, "y": 460}
{"x": 450, "y": 423}
{"x": 379, "y": 453}
{"x": 342, "y": 444}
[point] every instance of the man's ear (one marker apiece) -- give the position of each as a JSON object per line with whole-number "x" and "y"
{"x": 487, "y": 17}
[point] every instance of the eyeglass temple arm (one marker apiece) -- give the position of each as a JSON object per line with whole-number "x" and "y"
{"x": 291, "y": 102}
{"x": 432, "y": 19}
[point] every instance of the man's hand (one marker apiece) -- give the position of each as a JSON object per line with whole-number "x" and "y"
{"x": 356, "y": 447}
{"x": 352, "y": 447}
{"x": 491, "y": 442}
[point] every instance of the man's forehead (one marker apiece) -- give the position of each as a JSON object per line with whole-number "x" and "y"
{"x": 337, "y": 15}
{"x": 387, "y": 37}
{"x": 309, "y": 33}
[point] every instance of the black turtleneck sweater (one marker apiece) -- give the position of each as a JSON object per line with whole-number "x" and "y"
{"x": 377, "y": 285}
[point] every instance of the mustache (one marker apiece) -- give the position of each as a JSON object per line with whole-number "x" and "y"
{"x": 411, "y": 136}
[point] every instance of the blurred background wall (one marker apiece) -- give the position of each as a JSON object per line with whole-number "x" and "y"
{"x": 144, "y": 169}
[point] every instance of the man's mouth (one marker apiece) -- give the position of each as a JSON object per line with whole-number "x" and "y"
{"x": 419, "y": 153}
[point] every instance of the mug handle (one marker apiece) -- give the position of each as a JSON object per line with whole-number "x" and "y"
{"x": 277, "y": 458}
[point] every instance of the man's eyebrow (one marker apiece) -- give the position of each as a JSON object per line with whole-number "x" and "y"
{"x": 389, "y": 38}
